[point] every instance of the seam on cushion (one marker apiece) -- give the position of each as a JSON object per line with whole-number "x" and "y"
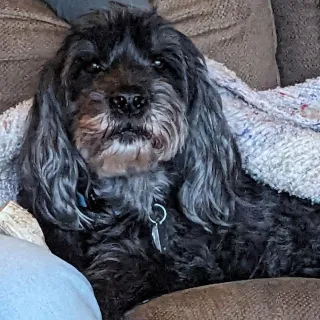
{"x": 275, "y": 37}
{"x": 25, "y": 16}
{"x": 26, "y": 58}
{"x": 208, "y": 29}
{"x": 190, "y": 13}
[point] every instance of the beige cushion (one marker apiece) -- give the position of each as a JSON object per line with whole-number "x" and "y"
{"x": 239, "y": 33}
{"x": 273, "y": 299}
{"x": 30, "y": 35}
{"x": 298, "y": 28}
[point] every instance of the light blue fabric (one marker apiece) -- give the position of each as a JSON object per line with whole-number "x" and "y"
{"x": 36, "y": 285}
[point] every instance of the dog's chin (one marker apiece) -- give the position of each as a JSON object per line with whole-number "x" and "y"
{"x": 128, "y": 153}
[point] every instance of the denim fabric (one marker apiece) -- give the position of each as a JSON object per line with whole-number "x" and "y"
{"x": 36, "y": 285}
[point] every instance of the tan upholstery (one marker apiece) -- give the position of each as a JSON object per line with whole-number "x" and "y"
{"x": 30, "y": 35}
{"x": 239, "y": 33}
{"x": 274, "y": 299}
{"x": 298, "y": 29}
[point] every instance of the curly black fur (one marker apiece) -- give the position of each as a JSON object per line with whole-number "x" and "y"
{"x": 221, "y": 225}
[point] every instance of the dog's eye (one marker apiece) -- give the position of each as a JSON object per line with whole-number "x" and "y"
{"x": 92, "y": 67}
{"x": 158, "y": 63}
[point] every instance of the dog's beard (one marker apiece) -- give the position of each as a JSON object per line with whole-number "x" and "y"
{"x": 114, "y": 147}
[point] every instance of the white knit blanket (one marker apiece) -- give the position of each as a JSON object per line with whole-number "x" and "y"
{"x": 276, "y": 131}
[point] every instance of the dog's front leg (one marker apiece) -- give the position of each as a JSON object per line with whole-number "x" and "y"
{"x": 123, "y": 275}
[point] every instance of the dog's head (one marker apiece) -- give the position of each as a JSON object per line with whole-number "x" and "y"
{"x": 126, "y": 77}
{"x": 126, "y": 92}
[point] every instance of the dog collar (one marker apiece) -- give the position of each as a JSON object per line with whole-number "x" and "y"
{"x": 81, "y": 200}
{"x": 158, "y": 217}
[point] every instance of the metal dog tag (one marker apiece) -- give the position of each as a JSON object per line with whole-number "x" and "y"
{"x": 156, "y": 233}
{"x": 156, "y": 237}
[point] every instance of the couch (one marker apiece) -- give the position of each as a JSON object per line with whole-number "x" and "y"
{"x": 268, "y": 43}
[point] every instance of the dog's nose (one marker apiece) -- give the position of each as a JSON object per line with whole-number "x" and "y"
{"x": 130, "y": 104}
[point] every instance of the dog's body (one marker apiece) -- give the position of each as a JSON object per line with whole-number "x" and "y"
{"x": 131, "y": 133}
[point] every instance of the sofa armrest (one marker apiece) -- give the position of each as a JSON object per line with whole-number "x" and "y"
{"x": 283, "y": 299}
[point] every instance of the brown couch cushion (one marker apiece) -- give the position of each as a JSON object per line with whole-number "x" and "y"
{"x": 298, "y": 28}
{"x": 30, "y": 35}
{"x": 239, "y": 33}
{"x": 283, "y": 299}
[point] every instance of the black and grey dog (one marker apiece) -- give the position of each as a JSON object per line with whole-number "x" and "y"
{"x": 130, "y": 168}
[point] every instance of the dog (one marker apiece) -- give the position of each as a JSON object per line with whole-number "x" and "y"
{"x": 131, "y": 170}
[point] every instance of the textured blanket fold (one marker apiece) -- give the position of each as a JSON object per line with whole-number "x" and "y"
{"x": 12, "y": 124}
{"x": 276, "y": 131}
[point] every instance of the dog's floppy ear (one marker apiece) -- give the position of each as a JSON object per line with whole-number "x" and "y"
{"x": 210, "y": 157}
{"x": 50, "y": 165}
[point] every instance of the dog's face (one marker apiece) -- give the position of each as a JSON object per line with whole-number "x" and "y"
{"x": 127, "y": 80}
{"x": 125, "y": 92}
